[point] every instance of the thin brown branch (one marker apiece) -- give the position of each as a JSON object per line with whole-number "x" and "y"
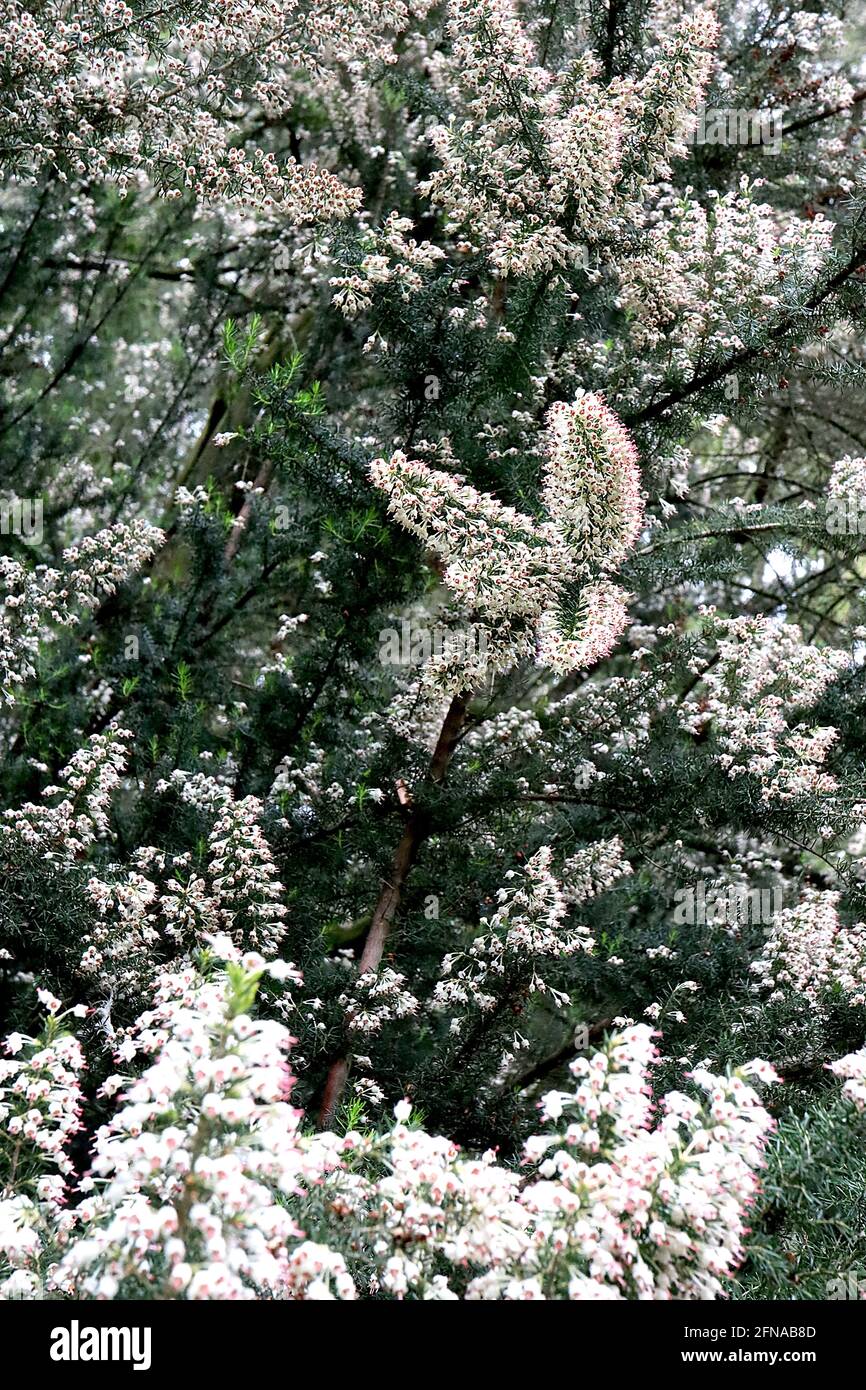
{"x": 415, "y": 832}
{"x": 712, "y": 376}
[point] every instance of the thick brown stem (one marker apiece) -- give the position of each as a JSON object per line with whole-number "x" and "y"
{"x": 337, "y": 1078}
{"x": 389, "y": 898}
{"x": 415, "y": 832}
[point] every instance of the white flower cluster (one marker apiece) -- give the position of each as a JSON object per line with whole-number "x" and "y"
{"x": 764, "y": 671}
{"x": 852, "y": 1069}
{"x": 594, "y": 869}
{"x": 433, "y": 1205}
{"x": 535, "y": 163}
{"x": 508, "y": 571}
{"x": 40, "y": 1111}
{"x": 809, "y": 955}
{"x": 243, "y": 877}
{"x": 395, "y": 259}
{"x": 528, "y": 924}
{"x": 32, "y": 600}
{"x": 617, "y": 1208}
{"x": 591, "y": 483}
{"x": 86, "y": 787}
{"x": 499, "y": 563}
{"x": 237, "y": 893}
{"x": 570, "y": 642}
{"x": 377, "y": 998}
{"x": 112, "y": 92}
{"x": 707, "y": 263}
{"x": 200, "y": 1182}
{"x": 160, "y": 897}
{"x": 660, "y": 1212}
{"x": 187, "y": 1191}
{"x": 119, "y": 947}
{"x": 848, "y": 478}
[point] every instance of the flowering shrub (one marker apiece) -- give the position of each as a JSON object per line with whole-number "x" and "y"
{"x": 186, "y": 1178}
{"x": 198, "y": 1181}
{"x": 432, "y": 627}
{"x": 40, "y": 1111}
{"x": 116, "y": 93}
{"x": 852, "y": 1069}
{"x": 577, "y": 170}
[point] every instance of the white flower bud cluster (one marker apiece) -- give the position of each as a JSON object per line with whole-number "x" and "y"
{"x": 763, "y": 671}
{"x": 809, "y": 956}
{"x": 507, "y": 571}
{"x": 201, "y": 1180}
{"x": 31, "y": 601}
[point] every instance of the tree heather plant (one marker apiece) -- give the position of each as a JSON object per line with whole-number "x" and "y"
{"x": 431, "y": 572}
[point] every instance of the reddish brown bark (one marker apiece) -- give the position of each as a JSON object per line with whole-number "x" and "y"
{"x": 415, "y": 832}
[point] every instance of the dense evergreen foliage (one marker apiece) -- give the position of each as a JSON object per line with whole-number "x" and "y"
{"x": 432, "y": 556}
